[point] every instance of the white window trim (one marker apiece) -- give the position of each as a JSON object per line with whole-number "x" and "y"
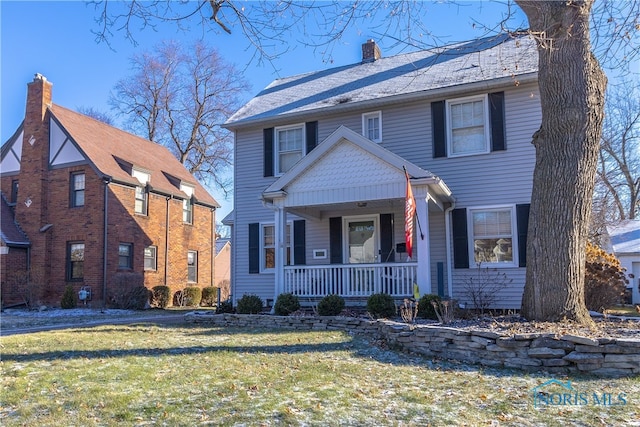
{"x": 276, "y": 150}
{"x": 487, "y": 128}
{"x": 345, "y": 234}
{"x": 514, "y": 236}
{"x": 365, "y": 130}
{"x": 263, "y": 261}
{"x": 196, "y": 266}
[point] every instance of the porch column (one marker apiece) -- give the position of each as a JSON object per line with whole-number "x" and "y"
{"x": 280, "y": 222}
{"x": 422, "y": 240}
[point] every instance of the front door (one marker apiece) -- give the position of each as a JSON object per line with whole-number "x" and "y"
{"x": 361, "y": 239}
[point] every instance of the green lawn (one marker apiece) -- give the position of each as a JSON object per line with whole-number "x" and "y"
{"x": 193, "y": 375}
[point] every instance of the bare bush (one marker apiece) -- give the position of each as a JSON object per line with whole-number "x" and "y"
{"x": 484, "y": 288}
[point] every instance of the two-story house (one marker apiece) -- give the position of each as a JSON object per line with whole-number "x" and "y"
{"x": 320, "y": 184}
{"x": 86, "y": 204}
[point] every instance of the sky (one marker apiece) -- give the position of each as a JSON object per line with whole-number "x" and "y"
{"x": 56, "y": 39}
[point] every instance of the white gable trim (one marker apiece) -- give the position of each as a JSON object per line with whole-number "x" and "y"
{"x": 348, "y": 167}
{"x": 11, "y": 161}
{"x": 62, "y": 149}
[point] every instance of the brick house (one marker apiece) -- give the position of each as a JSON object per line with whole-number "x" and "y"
{"x": 86, "y": 204}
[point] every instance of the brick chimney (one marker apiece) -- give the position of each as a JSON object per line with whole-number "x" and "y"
{"x": 31, "y": 206}
{"x": 370, "y": 51}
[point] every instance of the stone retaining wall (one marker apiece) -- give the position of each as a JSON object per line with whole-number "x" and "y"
{"x": 605, "y": 357}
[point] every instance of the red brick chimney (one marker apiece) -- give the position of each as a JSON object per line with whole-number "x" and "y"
{"x": 370, "y": 51}
{"x": 31, "y": 206}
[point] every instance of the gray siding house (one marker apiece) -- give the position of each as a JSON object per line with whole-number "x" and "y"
{"x": 320, "y": 182}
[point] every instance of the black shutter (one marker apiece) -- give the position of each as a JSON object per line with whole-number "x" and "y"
{"x": 311, "y": 130}
{"x": 386, "y": 238}
{"x": 254, "y": 248}
{"x": 268, "y": 151}
{"x": 460, "y": 238}
{"x": 522, "y": 217}
{"x": 335, "y": 240}
{"x": 439, "y": 129}
{"x": 299, "y": 243}
{"x": 496, "y": 115}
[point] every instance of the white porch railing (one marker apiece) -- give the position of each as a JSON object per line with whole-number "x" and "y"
{"x": 350, "y": 280}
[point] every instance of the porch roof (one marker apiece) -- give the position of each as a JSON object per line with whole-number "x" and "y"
{"x": 349, "y": 169}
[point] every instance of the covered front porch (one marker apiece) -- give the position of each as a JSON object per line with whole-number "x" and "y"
{"x": 354, "y": 190}
{"x": 351, "y": 280}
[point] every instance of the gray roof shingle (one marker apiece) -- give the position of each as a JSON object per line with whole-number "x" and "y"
{"x": 415, "y": 73}
{"x": 10, "y": 232}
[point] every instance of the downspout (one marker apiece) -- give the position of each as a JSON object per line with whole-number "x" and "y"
{"x": 447, "y": 230}
{"x": 213, "y": 245}
{"x": 106, "y": 180}
{"x": 166, "y": 242}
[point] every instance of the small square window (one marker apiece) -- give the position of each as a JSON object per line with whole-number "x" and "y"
{"x": 372, "y": 126}
{"x": 125, "y": 256}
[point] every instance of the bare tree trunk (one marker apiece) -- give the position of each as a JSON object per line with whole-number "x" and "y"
{"x": 572, "y": 87}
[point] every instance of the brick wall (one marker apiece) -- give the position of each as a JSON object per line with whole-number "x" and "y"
{"x": 13, "y": 265}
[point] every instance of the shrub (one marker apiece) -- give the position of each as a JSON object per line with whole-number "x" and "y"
{"x": 137, "y": 298}
{"x": 160, "y": 296}
{"x": 484, "y": 289}
{"x": 331, "y": 305}
{"x": 225, "y": 307}
{"x": 192, "y": 296}
{"x": 286, "y": 304}
{"x": 69, "y": 298}
{"x": 381, "y": 305}
{"x": 250, "y": 304}
{"x": 604, "y": 279}
{"x": 124, "y": 286}
{"x": 209, "y": 296}
{"x": 425, "y": 308}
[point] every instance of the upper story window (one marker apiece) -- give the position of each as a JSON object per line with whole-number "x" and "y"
{"x": 187, "y": 203}
{"x": 150, "y": 258}
{"x": 468, "y": 126}
{"x": 141, "y": 200}
{"x": 372, "y": 126}
{"x": 141, "y": 193}
{"x": 290, "y": 146}
{"x": 14, "y": 191}
{"x": 77, "y": 189}
{"x": 125, "y": 256}
{"x": 491, "y": 231}
{"x": 75, "y": 261}
{"x": 192, "y": 266}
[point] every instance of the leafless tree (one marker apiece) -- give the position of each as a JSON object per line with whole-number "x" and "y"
{"x": 178, "y": 96}
{"x": 618, "y": 180}
{"x": 96, "y": 114}
{"x": 572, "y": 91}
